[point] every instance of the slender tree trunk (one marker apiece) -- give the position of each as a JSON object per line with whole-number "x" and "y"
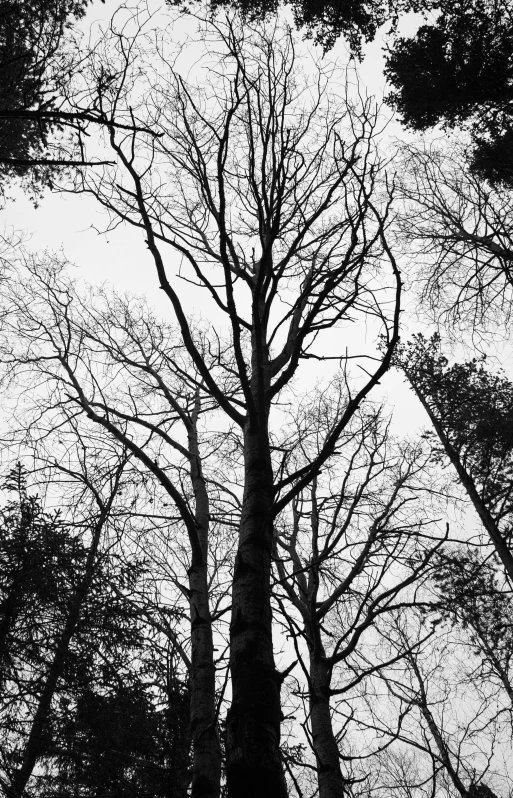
{"x": 468, "y": 483}
{"x": 206, "y": 768}
{"x": 254, "y": 767}
{"x": 330, "y": 779}
{"x": 443, "y": 751}
{"x": 37, "y": 739}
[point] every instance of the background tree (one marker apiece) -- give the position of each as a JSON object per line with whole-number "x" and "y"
{"x": 93, "y": 699}
{"x": 356, "y": 20}
{"x": 448, "y": 720}
{"x": 470, "y": 411}
{"x": 32, "y": 41}
{"x": 41, "y": 135}
{"x": 458, "y": 70}
{"x": 359, "y": 523}
{"x": 471, "y": 594}
{"x": 457, "y": 231}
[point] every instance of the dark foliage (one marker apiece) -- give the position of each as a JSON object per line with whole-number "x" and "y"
{"x": 459, "y": 70}
{"x": 115, "y": 742}
{"x": 38, "y": 557}
{"x": 119, "y": 719}
{"x": 327, "y": 20}
{"x": 474, "y": 409}
{"x": 32, "y": 35}
{"x": 480, "y": 791}
{"x": 470, "y": 593}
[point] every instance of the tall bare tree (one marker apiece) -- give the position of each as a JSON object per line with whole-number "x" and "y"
{"x": 270, "y": 192}
{"x": 357, "y": 548}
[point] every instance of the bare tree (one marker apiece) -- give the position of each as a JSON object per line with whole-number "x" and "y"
{"x": 457, "y": 228}
{"x": 110, "y": 364}
{"x": 357, "y": 548}
{"x": 455, "y": 726}
{"x": 271, "y": 193}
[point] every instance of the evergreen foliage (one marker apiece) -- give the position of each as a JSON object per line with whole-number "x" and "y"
{"x": 32, "y": 42}
{"x": 118, "y": 723}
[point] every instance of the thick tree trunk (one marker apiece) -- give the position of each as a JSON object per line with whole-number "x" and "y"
{"x": 330, "y": 779}
{"x": 254, "y": 768}
{"x": 206, "y": 768}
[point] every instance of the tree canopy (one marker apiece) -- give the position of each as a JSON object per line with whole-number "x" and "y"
{"x": 459, "y": 71}
{"x": 32, "y": 66}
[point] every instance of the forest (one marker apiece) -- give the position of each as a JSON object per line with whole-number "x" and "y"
{"x": 256, "y": 516}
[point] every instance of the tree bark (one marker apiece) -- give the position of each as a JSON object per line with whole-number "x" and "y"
{"x": 254, "y": 767}
{"x": 330, "y": 780}
{"x": 206, "y": 767}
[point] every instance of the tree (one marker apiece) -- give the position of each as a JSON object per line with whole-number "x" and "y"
{"x": 470, "y": 410}
{"x": 458, "y": 232}
{"x": 85, "y": 678}
{"x": 32, "y": 34}
{"x": 357, "y": 20}
{"x": 459, "y": 71}
{"x": 259, "y": 223}
{"x": 439, "y": 715}
{"x": 470, "y": 594}
{"x": 252, "y": 183}
{"x": 41, "y": 136}
{"x": 358, "y": 522}
{"x": 117, "y": 742}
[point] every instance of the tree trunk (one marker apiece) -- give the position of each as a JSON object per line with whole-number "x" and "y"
{"x": 206, "y": 767}
{"x": 35, "y": 746}
{"x": 330, "y": 779}
{"x": 254, "y": 768}
{"x": 487, "y": 519}
{"x": 36, "y": 742}
{"x": 8, "y": 615}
